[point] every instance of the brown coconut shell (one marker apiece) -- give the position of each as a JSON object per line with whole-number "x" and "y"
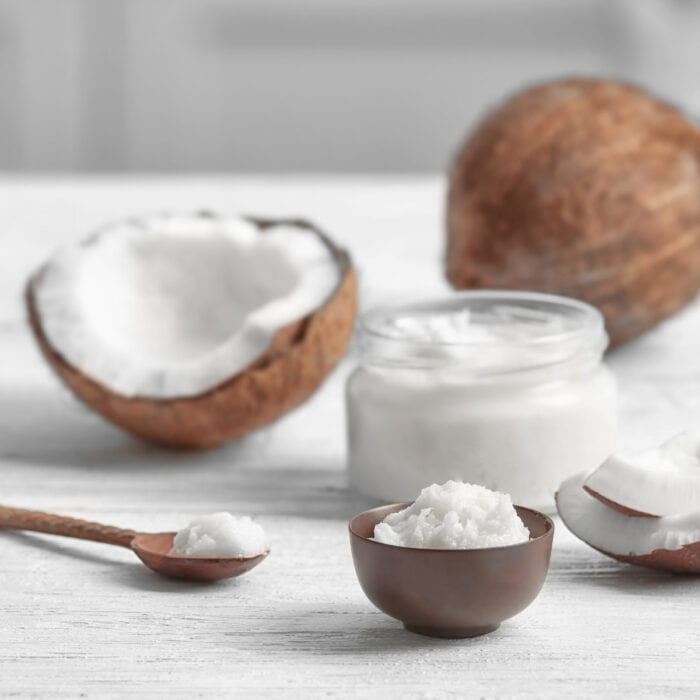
{"x": 624, "y": 510}
{"x": 678, "y": 561}
{"x": 582, "y": 187}
{"x": 299, "y": 358}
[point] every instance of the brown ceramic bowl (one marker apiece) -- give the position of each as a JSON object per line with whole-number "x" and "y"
{"x": 451, "y": 592}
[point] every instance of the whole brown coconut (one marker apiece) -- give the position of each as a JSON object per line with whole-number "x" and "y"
{"x": 588, "y": 188}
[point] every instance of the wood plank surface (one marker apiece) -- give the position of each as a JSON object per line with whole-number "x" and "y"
{"x": 84, "y": 618}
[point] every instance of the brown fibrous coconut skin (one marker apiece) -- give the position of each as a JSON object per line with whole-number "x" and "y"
{"x": 678, "y": 561}
{"x": 296, "y": 363}
{"x": 583, "y": 187}
{"x": 624, "y": 510}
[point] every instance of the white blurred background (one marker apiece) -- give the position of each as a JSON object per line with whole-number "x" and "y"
{"x": 304, "y": 85}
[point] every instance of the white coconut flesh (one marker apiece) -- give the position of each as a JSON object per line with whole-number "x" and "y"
{"x": 611, "y": 531}
{"x": 662, "y": 481}
{"x": 172, "y": 306}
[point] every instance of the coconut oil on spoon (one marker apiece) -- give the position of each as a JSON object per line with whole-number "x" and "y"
{"x": 154, "y": 549}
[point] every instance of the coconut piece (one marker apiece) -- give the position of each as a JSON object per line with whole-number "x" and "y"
{"x": 658, "y": 482}
{"x": 192, "y": 330}
{"x": 671, "y": 543}
{"x": 587, "y": 188}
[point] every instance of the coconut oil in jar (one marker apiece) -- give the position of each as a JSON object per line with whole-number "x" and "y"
{"x": 503, "y": 389}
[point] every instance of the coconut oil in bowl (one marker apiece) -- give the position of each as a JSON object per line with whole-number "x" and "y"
{"x": 499, "y": 388}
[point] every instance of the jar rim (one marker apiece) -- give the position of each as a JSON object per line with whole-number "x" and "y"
{"x": 511, "y": 331}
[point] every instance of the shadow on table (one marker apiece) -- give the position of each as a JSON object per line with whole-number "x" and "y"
{"x": 356, "y": 630}
{"x": 628, "y": 579}
{"x": 40, "y": 428}
{"x": 377, "y": 638}
{"x": 59, "y": 547}
{"x": 136, "y": 575}
{"x": 45, "y": 426}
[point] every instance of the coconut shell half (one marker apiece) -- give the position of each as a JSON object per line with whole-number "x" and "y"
{"x": 298, "y": 359}
{"x": 671, "y": 543}
{"x": 582, "y": 187}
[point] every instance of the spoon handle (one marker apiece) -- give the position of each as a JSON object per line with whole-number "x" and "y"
{"x": 19, "y": 519}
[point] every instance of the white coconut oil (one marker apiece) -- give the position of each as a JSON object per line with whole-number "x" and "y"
{"x": 503, "y": 389}
{"x": 454, "y": 515}
{"x": 220, "y": 535}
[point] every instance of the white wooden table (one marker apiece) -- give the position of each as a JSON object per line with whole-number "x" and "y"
{"x": 86, "y": 618}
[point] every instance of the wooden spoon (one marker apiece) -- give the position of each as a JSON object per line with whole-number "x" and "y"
{"x": 152, "y": 548}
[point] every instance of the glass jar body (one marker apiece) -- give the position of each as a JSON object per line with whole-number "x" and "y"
{"x": 408, "y": 428}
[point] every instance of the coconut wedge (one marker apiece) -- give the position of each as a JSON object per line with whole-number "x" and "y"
{"x": 659, "y": 482}
{"x": 671, "y": 543}
{"x": 193, "y": 330}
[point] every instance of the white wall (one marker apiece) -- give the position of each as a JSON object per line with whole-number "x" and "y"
{"x": 311, "y": 85}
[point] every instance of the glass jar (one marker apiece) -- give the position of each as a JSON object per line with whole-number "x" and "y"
{"x": 500, "y": 388}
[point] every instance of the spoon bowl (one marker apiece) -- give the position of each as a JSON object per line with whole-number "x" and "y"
{"x": 153, "y": 549}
